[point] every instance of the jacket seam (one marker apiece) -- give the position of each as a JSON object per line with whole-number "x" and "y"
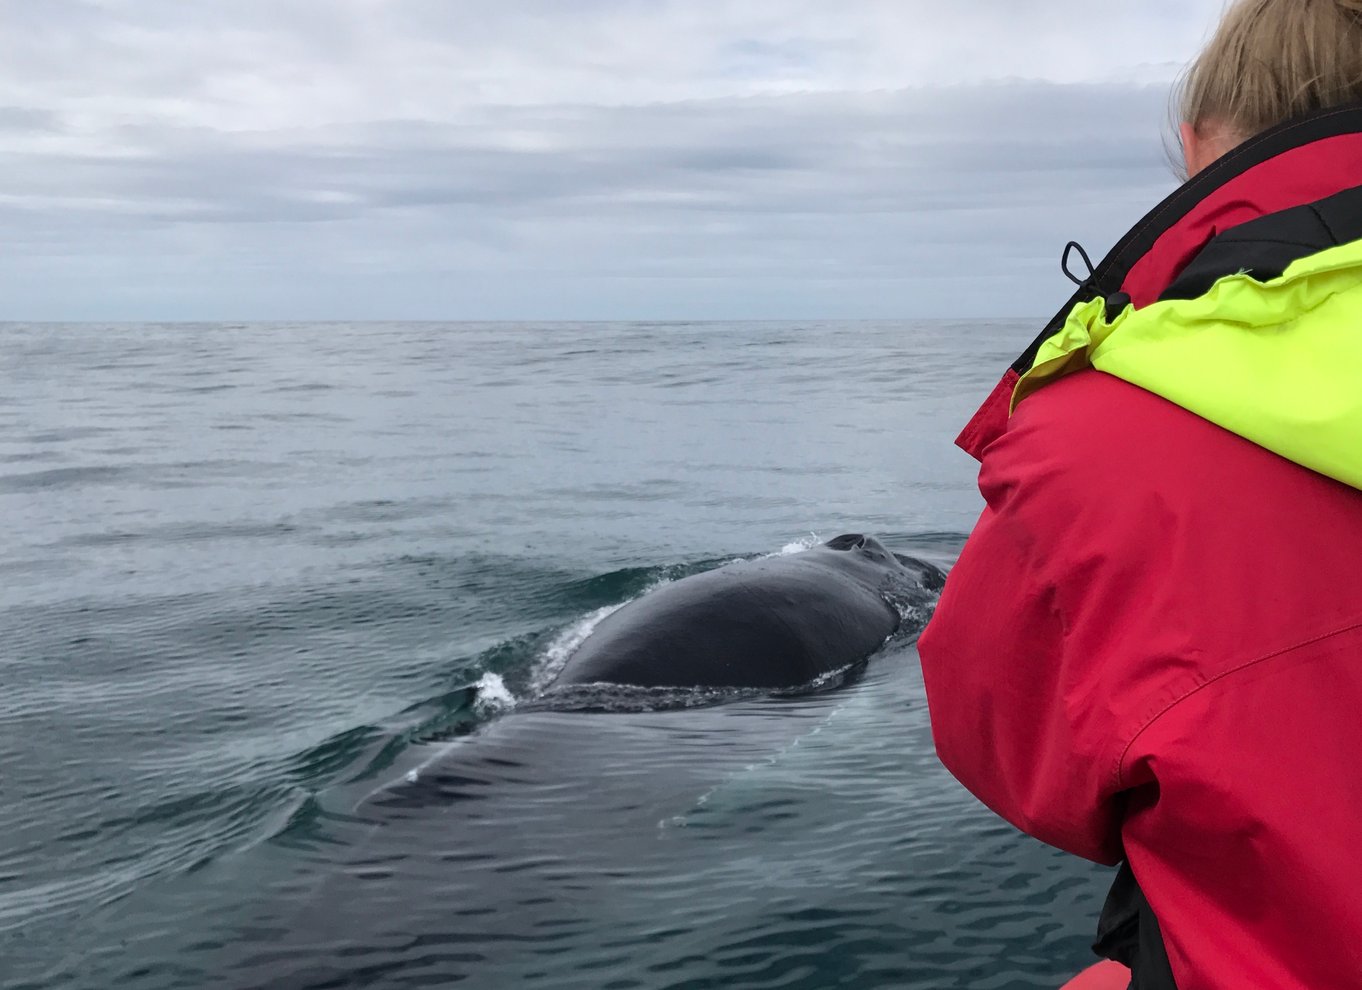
{"x": 1281, "y": 240}
{"x": 1319, "y": 215}
{"x": 1121, "y": 761}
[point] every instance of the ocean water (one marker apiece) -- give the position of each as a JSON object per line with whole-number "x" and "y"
{"x": 258, "y": 577}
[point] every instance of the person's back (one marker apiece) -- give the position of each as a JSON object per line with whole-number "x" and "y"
{"x": 1151, "y": 647}
{"x": 1186, "y": 653}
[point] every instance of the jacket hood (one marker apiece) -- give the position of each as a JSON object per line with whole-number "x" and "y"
{"x": 1277, "y": 362}
{"x": 1239, "y": 298}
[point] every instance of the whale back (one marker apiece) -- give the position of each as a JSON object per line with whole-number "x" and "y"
{"x": 770, "y": 623}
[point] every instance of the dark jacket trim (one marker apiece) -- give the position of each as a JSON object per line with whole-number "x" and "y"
{"x": 1128, "y": 933}
{"x": 1266, "y": 247}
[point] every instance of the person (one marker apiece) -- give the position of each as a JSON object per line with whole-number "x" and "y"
{"x": 1150, "y": 650}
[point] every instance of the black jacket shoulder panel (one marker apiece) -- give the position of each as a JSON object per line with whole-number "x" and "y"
{"x": 1266, "y": 247}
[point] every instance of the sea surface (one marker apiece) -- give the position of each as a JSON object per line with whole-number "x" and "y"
{"x": 256, "y": 578}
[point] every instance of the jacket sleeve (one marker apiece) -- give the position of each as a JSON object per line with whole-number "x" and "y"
{"x": 1019, "y": 716}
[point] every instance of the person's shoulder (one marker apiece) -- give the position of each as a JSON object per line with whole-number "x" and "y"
{"x": 1092, "y": 405}
{"x": 1093, "y": 443}
{"x": 1098, "y": 421}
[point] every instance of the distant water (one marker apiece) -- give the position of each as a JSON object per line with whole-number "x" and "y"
{"x": 252, "y": 573}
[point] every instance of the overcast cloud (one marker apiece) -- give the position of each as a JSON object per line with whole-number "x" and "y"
{"x": 573, "y": 159}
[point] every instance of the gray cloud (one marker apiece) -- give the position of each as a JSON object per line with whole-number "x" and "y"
{"x": 25, "y": 120}
{"x": 454, "y": 160}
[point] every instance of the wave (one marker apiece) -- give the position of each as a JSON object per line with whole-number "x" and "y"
{"x": 513, "y": 674}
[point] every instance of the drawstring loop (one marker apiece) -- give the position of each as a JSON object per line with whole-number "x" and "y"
{"x": 1069, "y": 249}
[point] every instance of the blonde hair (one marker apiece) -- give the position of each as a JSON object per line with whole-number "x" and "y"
{"x": 1271, "y": 60}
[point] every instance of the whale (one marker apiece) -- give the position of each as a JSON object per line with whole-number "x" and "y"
{"x": 474, "y": 847}
{"x": 772, "y": 623}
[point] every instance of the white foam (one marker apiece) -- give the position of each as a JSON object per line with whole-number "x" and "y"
{"x": 566, "y": 643}
{"x": 493, "y": 697}
{"x": 799, "y": 546}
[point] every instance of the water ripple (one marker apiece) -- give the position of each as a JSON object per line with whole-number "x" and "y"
{"x": 257, "y": 574}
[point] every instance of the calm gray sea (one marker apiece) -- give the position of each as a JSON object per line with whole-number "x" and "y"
{"x": 252, "y": 573}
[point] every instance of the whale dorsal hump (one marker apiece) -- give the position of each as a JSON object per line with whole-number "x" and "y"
{"x": 850, "y": 541}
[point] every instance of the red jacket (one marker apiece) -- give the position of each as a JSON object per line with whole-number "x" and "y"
{"x": 1151, "y": 646}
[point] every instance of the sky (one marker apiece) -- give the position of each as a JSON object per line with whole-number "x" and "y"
{"x": 574, "y": 159}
